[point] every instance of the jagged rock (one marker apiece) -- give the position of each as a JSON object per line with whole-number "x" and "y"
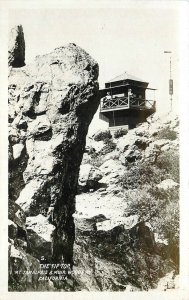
{"x": 28, "y": 196}
{"x": 89, "y": 205}
{"x": 117, "y": 255}
{"x": 89, "y": 176}
{"x": 16, "y": 168}
{"x": 17, "y": 150}
{"x": 17, "y": 241}
{"x": 126, "y": 141}
{"x": 159, "y": 143}
{"x": 154, "y": 149}
{"x": 165, "y": 148}
{"x": 113, "y": 155}
{"x": 142, "y": 143}
{"x": 96, "y": 145}
{"x": 51, "y": 104}
{"x": 111, "y": 166}
{"x": 39, "y": 127}
{"x": 22, "y": 244}
{"x": 127, "y": 222}
{"x": 40, "y": 236}
{"x": 143, "y": 130}
{"x": 12, "y": 229}
{"x": 88, "y": 224}
{"x": 24, "y": 272}
{"x": 131, "y": 155}
{"x": 112, "y": 170}
{"x": 16, "y": 57}
{"x": 24, "y": 269}
{"x": 99, "y": 274}
{"x": 16, "y": 215}
{"x": 167, "y": 184}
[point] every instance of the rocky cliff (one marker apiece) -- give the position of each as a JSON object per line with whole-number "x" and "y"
{"x": 127, "y": 209}
{"x": 51, "y": 104}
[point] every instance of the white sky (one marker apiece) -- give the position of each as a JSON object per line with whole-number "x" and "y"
{"x": 120, "y": 39}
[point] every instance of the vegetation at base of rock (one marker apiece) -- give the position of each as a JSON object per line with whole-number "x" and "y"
{"x": 120, "y": 132}
{"x": 169, "y": 162}
{"x": 161, "y": 209}
{"x": 95, "y": 160}
{"x": 157, "y": 206}
{"x": 139, "y": 174}
{"x": 103, "y": 136}
{"x": 109, "y": 147}
{"x": 167, "y": 133}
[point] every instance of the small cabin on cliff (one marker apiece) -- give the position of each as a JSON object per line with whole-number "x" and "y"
{"x": 123, "y": 102}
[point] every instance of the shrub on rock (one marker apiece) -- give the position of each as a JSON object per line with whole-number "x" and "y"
{"x": 103, "y": 136}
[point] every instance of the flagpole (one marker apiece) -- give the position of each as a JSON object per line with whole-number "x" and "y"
{"x": 170, "y": 80}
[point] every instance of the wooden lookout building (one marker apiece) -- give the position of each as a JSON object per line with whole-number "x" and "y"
{"x": 123, "y": 101}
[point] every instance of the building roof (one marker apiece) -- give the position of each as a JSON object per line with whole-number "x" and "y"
{"x": 125, "y": 76}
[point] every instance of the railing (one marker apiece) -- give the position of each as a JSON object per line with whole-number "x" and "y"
{"x": 125, "y": 102}
{"x": 114, "y": 102}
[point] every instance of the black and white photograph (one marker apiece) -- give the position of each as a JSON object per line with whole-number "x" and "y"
{"x": 94, "y": 157}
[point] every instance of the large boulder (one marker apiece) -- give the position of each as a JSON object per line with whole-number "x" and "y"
{"x": 51, "y": 104}
{"x": 115, "y": 255}
{"x": 40, "y": 236}
{"x": 111, "y": 166}
{"x": 112, "y": 170}
{"x": 89, "y": 176}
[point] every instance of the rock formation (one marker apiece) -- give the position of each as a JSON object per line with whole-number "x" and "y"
{"x": 51, "y": 104}
{"x": 16, "y": 54}
{"x": 127, "y": 228}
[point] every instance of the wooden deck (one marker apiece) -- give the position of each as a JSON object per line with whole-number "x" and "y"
{"x": 120, "y": 103}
